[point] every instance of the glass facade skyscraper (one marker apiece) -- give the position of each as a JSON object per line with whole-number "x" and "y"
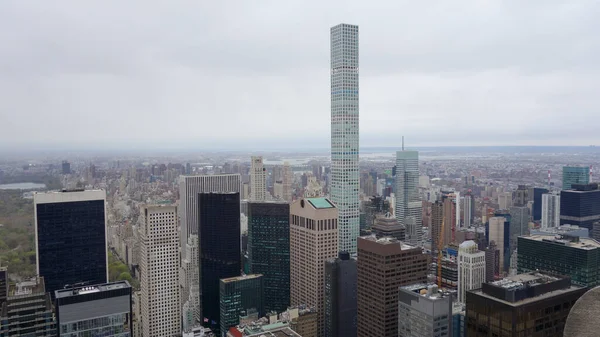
{"x": 408, "y": 200}
{"x": 345, "y": 133}
{"x": 269, "y": 250}
{"x": 70, "y": 233}
{"x": 575, "y": 175}
{"x": 220, "y": 248}
{"x": 580, "y": 206}
{"x": 237, "y": 296}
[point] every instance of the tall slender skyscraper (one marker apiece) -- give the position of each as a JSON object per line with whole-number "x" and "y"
{"x": 220, "y": 249}
{"x": 258, "y": 179}
{"x": 550, "y": 210}
{"x": 159, "y": 271}
{"x": 70, "y": 236}
{"x": 344, "y": 133}
{"x": 408, "y": 201}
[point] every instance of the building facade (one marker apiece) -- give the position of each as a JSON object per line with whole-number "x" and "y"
{"x": 340, "y": 296}
{"x": 424, "y": 311}
{"x": 345, "y": 133}
{"x": 313, "y": 240}
{"x": 27, "y": 311}
{"x": 575, "y": 175}
{"x": 97, "y": 310}
{"x": 237, "y": 296}
{"x": 70, "y": 237}
{"x": 388, "y": 225}
{"x": 220, "y": 249}
{"x": 580, "y": 206}
{"x": 258, "y": 179}
{"x": 471, "y": 268}
{"x": 159, "y": 271}
{"x": 190, "y": 283}
{"x": 536, "y": 209}
{"x": 383, "y": 265}
{"x": 550, "y": 210}
{"x": 408, "y": 200}
{"x": 269, "y": 250}
{"x": 573, "y": 256}
{"x": 532, "y": 304}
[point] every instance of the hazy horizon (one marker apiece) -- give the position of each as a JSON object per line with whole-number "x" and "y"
{"x": 236, "y": 75}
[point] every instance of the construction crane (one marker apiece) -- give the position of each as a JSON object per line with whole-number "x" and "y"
{"x": 439, "y": 257}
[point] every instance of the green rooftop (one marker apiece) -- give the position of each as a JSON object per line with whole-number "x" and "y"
{"x": 320, "y": 203}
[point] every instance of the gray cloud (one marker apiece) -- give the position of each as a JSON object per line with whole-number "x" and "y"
{"x": 217, "y": 74}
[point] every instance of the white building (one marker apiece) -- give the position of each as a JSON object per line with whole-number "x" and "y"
{"x": 505, "y": 200}
{"x": 258, "y": 179}
{"x": 159, "y": 272}
{"x": 408, "y": 201}
{"x": 190, "y": 283}
{"x": 190, "y": 186}
{"x": 471, "y": 268}
{"x": 345, "y": 187}
{"x": 550, "y": 210}
{"x": 287, "y": 180}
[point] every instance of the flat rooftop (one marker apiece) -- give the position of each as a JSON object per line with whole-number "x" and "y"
{"x": 92, "y": 289}
{"x": 282, "y": 332}
{"x": 522, "y": 280}
{"x": 582, "y": 243}
{"x": 320, "y": 203}
{"x": 240, "y": 278}
{"x": 422, "y": 288}
{"x": 387, "y": 240}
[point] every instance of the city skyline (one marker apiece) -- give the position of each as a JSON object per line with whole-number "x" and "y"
{"x": 181, "y": 85}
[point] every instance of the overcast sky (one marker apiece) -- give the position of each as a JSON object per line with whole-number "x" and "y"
{"x": 255, "y": 74}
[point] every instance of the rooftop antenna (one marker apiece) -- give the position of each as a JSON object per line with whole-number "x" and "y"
{"x": 402, "y": 143}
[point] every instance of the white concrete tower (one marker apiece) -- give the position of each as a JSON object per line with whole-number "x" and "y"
{"x": 471, "y": 268}
{"x": 344, "y": 133}
{"x": 159, "y": 271}
{"x": 550, "y": 210}
{"x": 258, "y": 179}
{"x": 408, "y": 201}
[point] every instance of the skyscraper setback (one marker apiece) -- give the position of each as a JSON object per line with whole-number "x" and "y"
{"x": 345, "y": 133}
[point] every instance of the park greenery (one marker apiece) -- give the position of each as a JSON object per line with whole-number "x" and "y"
{"x": 118, "y": 271}
{"x": 17, "y": 247}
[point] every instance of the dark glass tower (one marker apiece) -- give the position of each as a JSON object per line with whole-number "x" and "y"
{"x": 537, "y": 202}
{"x": 269, "y": 250}
{"x": 70, "y": 232}
{"x": 220, "y": 248}
{"x": 340, "y": 296}
{"x": 239, "y": 296}
{"x": 580, "y": 206}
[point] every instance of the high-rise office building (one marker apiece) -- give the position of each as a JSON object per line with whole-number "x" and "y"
{"x": 345, "y": 133}
{"x": 190, "y": 186}
{"x": 575, "y": 175}
{"x": 531, "y": 304}
{"x": 238, "y": 296}
{"x": 159, "y": 271}
{"x": 408, "y": 200}
{"x": 468, "y": 210}
{"x": 70, "y": 237}
{"x": 437, "y": 216}
{"x": 492, "y": 262}
{"x": 471, "y": 268}
{"x": 387, "y": 225}
{"x": 27, "y": 311}
{"x": 505, "y": 200}
{"x": 190, "y": 283}
{"x": 424, "y": 311}
{"x": 287, "y": 176}
{"x": 96, "y": 310}
{"x": 576, "y": 257}
{"x": 269, "y": 250}
{"x": 536, "y": 209}
{"x": 521, "y": 196}
{"x": 340, "y": 296}
{"x": 451, "y": 210}
{"x": 580, "y": 206}
{"x": 384, "y": 265}
{"x": 220, "y": 249}
{"x": 550, "y": 210}
{"x": 519, "y": 225}
{"x": 499, "y": 232}
{"x": 313, "y": 240}
{"x": 66, "y": 167}
{"x": 258, "y": 179}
